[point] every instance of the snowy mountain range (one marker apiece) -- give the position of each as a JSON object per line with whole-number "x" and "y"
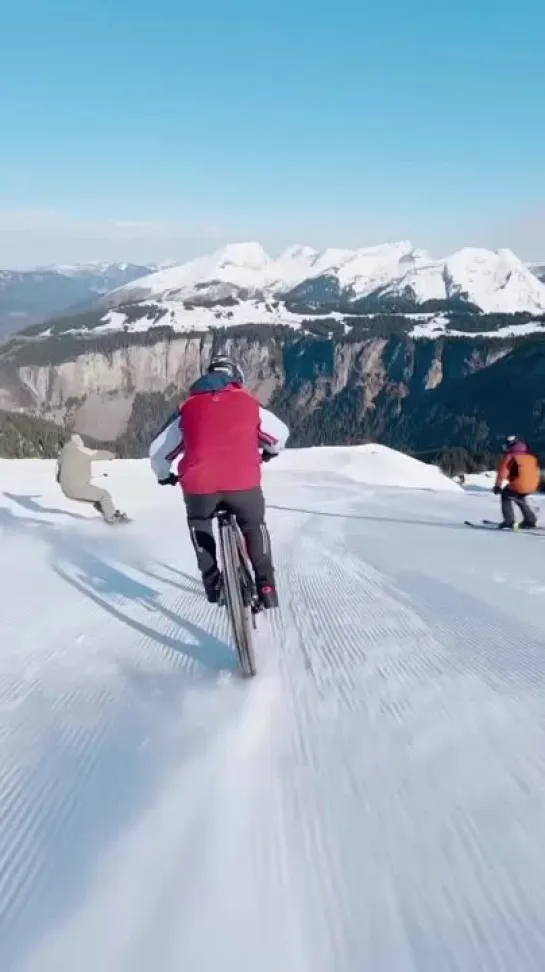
{"x": 33, "y": 295}
{"x": 391, "y": 276}
{"x": 241, "y": 284}
{"x": 422, "y": 379}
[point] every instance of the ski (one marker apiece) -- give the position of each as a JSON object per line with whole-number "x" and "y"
{"x": 476, "y": 526}
{"x": 537, "y": 531}
{"x": 516, "y": 529}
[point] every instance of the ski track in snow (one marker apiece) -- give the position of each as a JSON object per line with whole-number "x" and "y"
{"x": 372, "y": 800}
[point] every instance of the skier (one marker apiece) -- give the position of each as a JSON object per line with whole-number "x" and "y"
{"x": 220, "y": 429}
{"x": 74, "y": 478}
{"x": 518, "y": 477}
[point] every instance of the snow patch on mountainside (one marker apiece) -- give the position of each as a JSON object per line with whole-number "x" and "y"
{"x": 201, "y": 319}
{"x": 435, "y": 325}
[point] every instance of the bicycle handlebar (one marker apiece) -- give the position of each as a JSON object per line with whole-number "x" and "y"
{"x": 173, "y": 479}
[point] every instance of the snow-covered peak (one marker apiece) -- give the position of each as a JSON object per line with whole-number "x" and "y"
{"x": 496, "y": 281}
{"x": 244, "y": 266}
{"x": 243, "y": 255}
{"x": 296, "y": 263}
{"x": 357, "y": 273}
{"x": 298, "y": 251}
{"x": 93, "y": 268}
{"x": 331, "y": 259}
{"x": 375, "y": 266}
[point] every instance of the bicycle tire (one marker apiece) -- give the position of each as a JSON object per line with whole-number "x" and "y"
{"x": 239, "y": 613}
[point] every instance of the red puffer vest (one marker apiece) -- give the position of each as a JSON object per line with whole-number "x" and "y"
{"x": 220, "y": 427}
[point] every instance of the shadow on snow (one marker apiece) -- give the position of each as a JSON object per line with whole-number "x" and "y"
{"x": 111, "y": 788}
{"x": 28, "y": 502}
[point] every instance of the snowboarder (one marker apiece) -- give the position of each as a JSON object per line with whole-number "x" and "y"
{"x": 518, "y": 477}
{"x": 220, "y": 429}
{"x": 74, "y": 478}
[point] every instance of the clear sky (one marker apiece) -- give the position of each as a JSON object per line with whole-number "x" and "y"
{"x": 153, "y": 130}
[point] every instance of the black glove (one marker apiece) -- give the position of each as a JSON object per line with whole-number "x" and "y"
{"x": 496, "y": 490}
{"x": 171, "y": 480}
{"x": 267, "y": 456}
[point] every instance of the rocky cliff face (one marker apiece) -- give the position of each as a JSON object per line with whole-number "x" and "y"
{"x": 121, "y": 386}
{"x": 316, "y": 369}
{"x": 96, "y": 388}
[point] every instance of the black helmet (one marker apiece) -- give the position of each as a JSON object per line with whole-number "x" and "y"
{"x": 226, "y": 365}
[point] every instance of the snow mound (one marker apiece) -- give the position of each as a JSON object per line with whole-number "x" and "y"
{"x": 480, "y": 481}
{"x": 371, "y": 464}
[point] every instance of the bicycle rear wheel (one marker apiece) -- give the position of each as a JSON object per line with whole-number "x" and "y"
{"x": 240, "y": 614}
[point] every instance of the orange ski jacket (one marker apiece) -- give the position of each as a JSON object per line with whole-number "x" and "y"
{"x": 521, "y": 470}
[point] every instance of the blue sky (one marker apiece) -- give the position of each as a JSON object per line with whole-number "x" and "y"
{"x": 160, "y": 130}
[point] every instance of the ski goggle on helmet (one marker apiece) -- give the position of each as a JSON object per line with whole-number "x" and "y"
{"x": 224, "y": 364}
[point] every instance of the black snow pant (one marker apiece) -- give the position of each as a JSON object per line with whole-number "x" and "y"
{"x": 248, "y": 505}
{"x": 508, "y": 497}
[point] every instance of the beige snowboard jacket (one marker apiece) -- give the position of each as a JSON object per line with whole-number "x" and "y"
{"x": 74, "y": 464}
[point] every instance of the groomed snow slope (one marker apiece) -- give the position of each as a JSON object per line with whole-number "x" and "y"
{"x": 372, "y": 800}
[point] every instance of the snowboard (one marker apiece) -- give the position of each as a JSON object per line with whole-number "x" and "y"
{"x": 119, "y": 521}
{"x": 536, "y": 531}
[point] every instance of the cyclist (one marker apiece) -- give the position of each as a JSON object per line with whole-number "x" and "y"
{"x": 219, "y": 433}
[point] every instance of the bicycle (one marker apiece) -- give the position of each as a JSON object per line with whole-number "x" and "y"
{"x": 239, "y": 592}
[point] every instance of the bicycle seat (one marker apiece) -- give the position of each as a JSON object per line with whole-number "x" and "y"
{"x": 222, "y": 512}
